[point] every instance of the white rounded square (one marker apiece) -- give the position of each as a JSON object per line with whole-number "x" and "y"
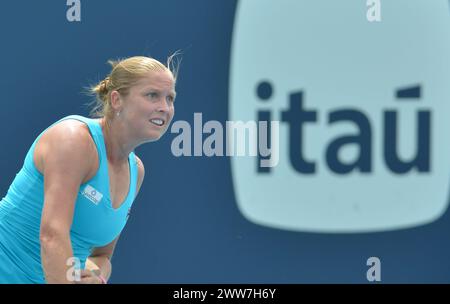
{"x": 338, "y": 60}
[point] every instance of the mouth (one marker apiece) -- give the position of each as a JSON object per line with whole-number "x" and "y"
{"x": 158, "y": 122}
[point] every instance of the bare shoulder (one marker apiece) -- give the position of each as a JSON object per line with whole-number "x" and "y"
{"x": 141, "y": 172}
{"x": 71, "y": 130}
{"x": 65, "y": 140}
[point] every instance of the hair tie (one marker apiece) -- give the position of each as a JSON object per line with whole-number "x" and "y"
{"x": 105, "y": 83}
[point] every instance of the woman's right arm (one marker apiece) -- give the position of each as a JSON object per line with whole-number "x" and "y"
{"x": 65, "y": 163}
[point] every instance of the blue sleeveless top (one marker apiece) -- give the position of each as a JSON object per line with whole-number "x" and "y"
{"x": 96, "y": 222}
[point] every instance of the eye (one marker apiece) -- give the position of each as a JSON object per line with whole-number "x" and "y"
{"x": 152, "y": 95}
{"x": 170, "y": 98}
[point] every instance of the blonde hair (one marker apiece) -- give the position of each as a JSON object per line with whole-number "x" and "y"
{"x": 124, "y": 74}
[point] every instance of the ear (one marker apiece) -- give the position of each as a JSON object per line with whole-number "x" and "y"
{"x": 116, "y": 101}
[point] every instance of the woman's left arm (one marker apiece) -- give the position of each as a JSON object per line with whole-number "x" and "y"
{"x": 99, "y": 261}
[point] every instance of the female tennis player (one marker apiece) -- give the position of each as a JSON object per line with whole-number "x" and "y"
{"x": 63, "y": 213}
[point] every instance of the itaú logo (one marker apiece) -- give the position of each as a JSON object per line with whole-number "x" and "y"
{"x": 364, "y": 112}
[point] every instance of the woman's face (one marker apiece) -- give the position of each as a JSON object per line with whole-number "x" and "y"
{"x": 148, "y": 108}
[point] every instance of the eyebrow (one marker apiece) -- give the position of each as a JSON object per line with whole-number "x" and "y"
{"x": 172, "y": 92}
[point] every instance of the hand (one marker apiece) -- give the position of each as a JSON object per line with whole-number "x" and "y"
{"x": 89, "y": 277}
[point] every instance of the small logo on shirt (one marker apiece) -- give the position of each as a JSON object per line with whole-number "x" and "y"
{"x": 92, "y": 194}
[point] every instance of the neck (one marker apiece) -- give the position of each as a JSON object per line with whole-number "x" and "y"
{"x": 117, "y": 148}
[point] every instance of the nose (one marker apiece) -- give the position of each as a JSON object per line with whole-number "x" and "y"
{"x": 163, "y": 106}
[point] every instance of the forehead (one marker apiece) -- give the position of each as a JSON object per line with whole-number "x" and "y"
{"x": 157, "y": 79}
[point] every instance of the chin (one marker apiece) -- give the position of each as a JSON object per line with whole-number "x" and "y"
{"x": 153, "y": 137}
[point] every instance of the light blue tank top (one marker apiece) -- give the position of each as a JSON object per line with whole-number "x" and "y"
{"x": 95, "y": 222}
